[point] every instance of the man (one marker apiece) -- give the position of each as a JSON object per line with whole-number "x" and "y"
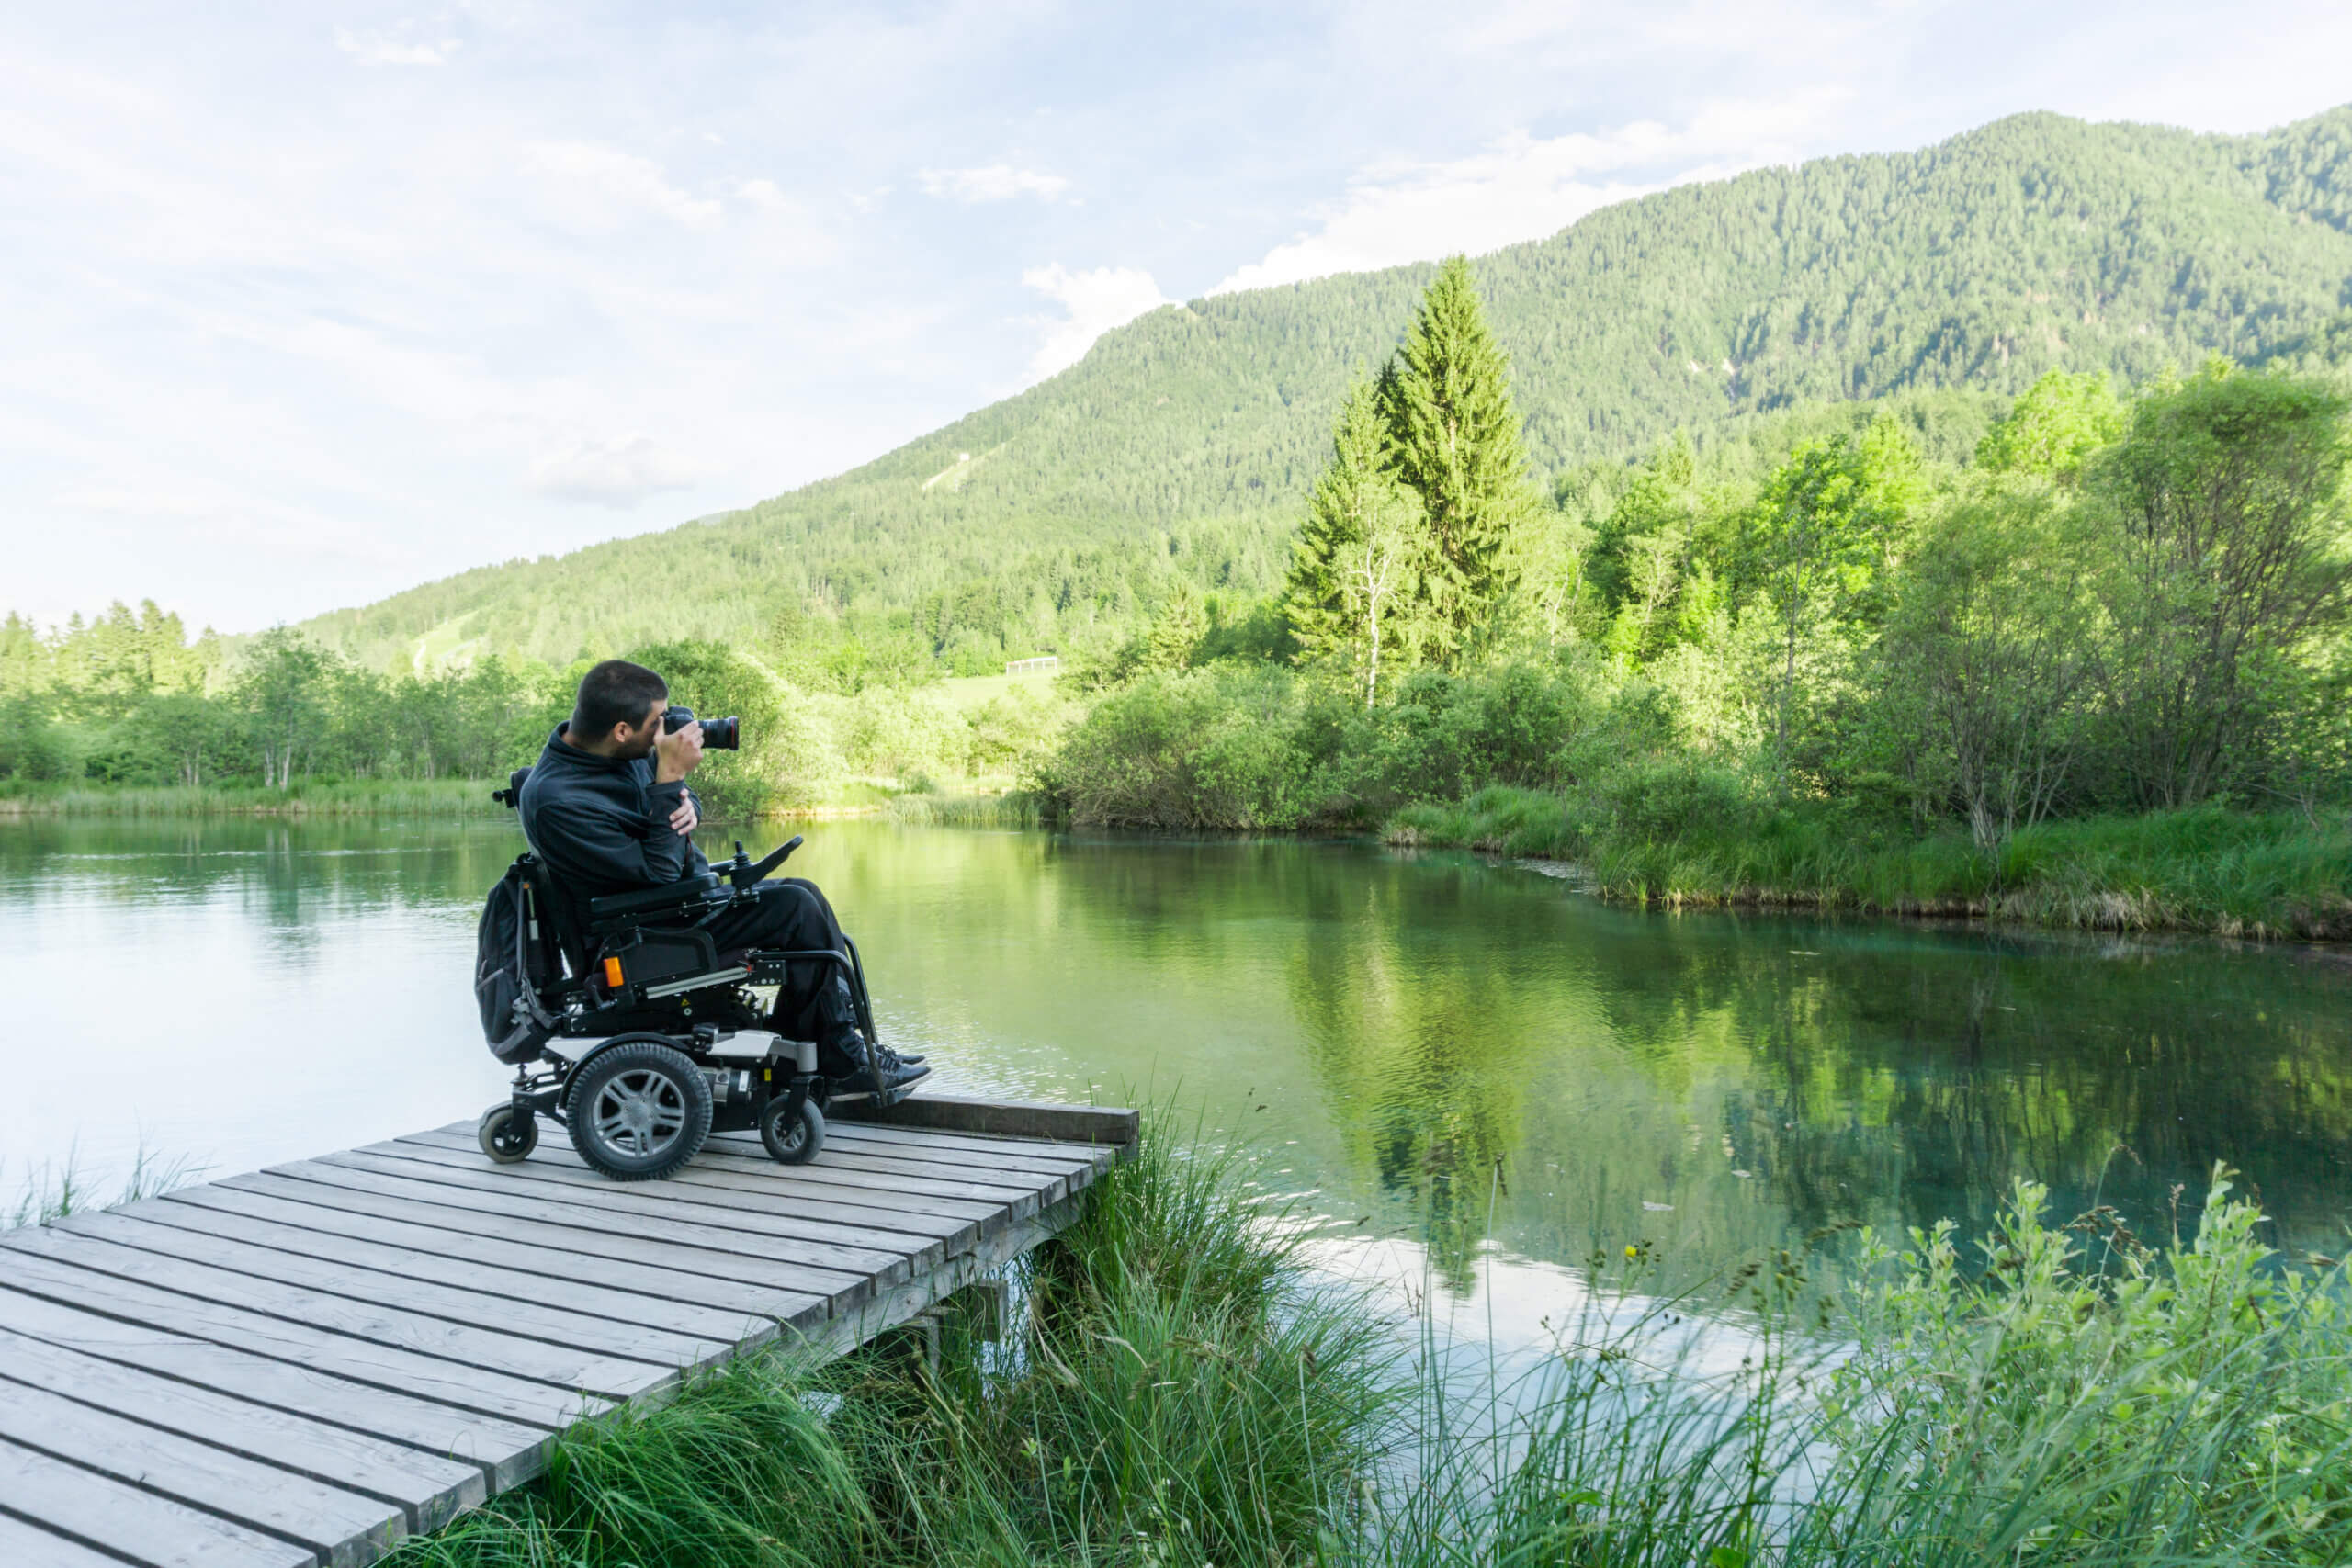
{"x": 607, "y": 810}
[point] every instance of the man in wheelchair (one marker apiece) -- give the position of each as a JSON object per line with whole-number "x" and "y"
{"x": 618, "y": 966}
{"x": 607, "y": 810}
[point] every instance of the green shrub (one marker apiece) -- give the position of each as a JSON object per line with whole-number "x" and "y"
{"x": 1225, "y": 747}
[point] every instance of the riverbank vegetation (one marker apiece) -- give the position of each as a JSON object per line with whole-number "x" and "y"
{"x": 1181, "y": 1388}
{"x": 129, "y": 714}
{"x": 2042, "y": 675}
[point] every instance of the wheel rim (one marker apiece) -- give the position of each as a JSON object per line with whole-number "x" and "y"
{"x": 790, "y": 1135}
{"x": 639, "y": 1112}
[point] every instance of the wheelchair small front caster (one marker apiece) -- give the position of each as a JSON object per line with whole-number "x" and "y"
{"x": 505, "y": 1136}
{"x": 792, "y": 1139}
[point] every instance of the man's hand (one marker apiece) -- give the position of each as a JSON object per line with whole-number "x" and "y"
{"x": 683, "y": 821}
{"x": 677, "y": 754}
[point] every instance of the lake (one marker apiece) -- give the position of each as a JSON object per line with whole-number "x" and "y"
{"x": 1470, "y": 1070}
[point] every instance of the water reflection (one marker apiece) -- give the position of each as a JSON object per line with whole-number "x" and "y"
{"x": 1446, "y": 1052}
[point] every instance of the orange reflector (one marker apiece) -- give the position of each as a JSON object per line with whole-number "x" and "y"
{"x": 613, "y": 972}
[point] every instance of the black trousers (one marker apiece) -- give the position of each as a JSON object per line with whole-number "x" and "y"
{"x": 814, "y": 1001}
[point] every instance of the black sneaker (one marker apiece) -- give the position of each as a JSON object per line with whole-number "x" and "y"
{"x": 882, "y": 1070}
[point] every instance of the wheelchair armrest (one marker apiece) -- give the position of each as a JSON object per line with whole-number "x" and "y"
{"x": 614, "y": 907}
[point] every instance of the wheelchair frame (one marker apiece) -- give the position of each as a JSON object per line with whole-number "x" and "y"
{"x": 644, "y": 973}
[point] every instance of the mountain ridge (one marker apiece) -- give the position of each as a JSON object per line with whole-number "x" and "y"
{"x": 1182, "y": 443}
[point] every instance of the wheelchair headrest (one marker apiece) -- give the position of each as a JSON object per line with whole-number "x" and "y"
{"x": 511, "y": 796}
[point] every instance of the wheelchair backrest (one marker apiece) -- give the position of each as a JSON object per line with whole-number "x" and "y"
{"x": 568, "y": 948}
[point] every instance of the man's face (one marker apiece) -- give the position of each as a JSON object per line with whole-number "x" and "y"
{"x": 634, "y": 741}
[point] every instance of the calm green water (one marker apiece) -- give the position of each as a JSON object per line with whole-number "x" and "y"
{"x": 1389, "y": 1028}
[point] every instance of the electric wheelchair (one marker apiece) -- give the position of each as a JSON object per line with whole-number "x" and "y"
{"x": 641, "y": 1039}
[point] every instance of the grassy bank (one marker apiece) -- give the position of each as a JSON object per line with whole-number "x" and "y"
{"x": 346, "y": 797}
{"x": 2230, "y": 873}
{"x": 470, "y": 797}
{"x": 1180, "y": 1393}
{"x": 1016, "y": 808}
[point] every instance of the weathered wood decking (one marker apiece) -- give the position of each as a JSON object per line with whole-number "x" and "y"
{"x": 308, "y": 1363}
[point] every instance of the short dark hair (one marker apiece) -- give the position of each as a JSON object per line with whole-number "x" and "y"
{"x": 615, "y": 692}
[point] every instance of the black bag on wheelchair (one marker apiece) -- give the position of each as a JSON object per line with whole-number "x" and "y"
{"x": 515, "y": 956}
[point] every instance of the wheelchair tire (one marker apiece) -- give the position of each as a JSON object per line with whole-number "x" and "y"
{"x": 796, "y": 1140}
{"x": 506, "y": 1137}
{"x": 639, "y": 1110}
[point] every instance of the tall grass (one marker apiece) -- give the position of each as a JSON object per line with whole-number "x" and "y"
{"x": 345, "y": 798}
{"x": 1015, "y": 808}
{"x": 2075, "y": 1398}
{"x": 52, "y": 1192}
{"x": 2231, "y": 873}
{"x": 1181, "y": 1394}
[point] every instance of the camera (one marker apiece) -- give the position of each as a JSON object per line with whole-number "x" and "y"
{"x": 719, "y": 734}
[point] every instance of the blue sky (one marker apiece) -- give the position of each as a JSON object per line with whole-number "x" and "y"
{"x": 303, "y": 304}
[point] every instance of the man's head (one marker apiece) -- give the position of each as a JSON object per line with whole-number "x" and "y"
{"x": 618, "y": 711}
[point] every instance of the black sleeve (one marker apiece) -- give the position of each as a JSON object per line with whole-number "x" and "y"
{"x": 617, "y": 849}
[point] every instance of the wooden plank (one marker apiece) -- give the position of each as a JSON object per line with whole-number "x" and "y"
{"x": 339, "y": 1350}
{"x": 405, "y": 1371}
{"x": 697, "y": 1270}
{"x": 853, "y": 1187}
{"x": 507, "y": 1452}
{"x": 948, "y": 1113}
{"x": 774, "y": 1206}
{"x": 846, "y": 1271}
{"x": 886, "y": 1183}
{"x": 912, "y": 1170}
{"x": 975, "y": 1143}
{"x": 611, "y": 1376}
{"x": 27, "y": 1546}
{"x": 1013, "y": 1169}
{"x": 1002, "y": 1153}
{"x": 522, "y": 1319}
{"x": 345, "y": 1528}
{"x": 492, "y": 1273}
{"x": 152, "y": 1531}
{"x": 429, "y": 1491}
{"x": 1024, "y": 1152}
{"x": 955, "y": 1231}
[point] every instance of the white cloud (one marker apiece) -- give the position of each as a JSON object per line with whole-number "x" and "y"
{"x": 997, "y": 182}
{"x": 1525, "y": 187}
{"x": 612, "y": 473}
{"x": 595, "y": 190}
{"x": 380, "y": 49}
{"x": 1096, "y": 300}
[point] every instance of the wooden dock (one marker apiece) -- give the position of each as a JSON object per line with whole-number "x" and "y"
{"x": 309, "y": 1363}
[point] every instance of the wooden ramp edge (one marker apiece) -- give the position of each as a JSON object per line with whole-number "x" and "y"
{"x": 305, "y": 1365}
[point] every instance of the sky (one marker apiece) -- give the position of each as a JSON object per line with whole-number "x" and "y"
{"x": 303, "y": 304}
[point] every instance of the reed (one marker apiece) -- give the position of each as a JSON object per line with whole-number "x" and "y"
{"x": 51, "y": 1192}
{"x": 1016, "y": 808}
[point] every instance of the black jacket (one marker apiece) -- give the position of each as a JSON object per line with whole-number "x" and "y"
{"x": 601, "y": 825}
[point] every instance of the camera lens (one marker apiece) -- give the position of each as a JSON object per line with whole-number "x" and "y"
{"x": 721, "y": 734}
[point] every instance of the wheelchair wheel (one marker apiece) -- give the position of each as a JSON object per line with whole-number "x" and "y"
{"x": 792, "y": 1140}
{"x": 639, "y": 1110}
{"x": 504, "y": 1136}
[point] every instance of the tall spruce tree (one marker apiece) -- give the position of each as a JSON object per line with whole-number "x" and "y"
{"x": 1358, "y": 552}
{"x": 1454, "y": 439}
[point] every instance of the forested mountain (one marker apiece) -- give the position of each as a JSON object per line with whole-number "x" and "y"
{"x": 1184, "y": 445}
